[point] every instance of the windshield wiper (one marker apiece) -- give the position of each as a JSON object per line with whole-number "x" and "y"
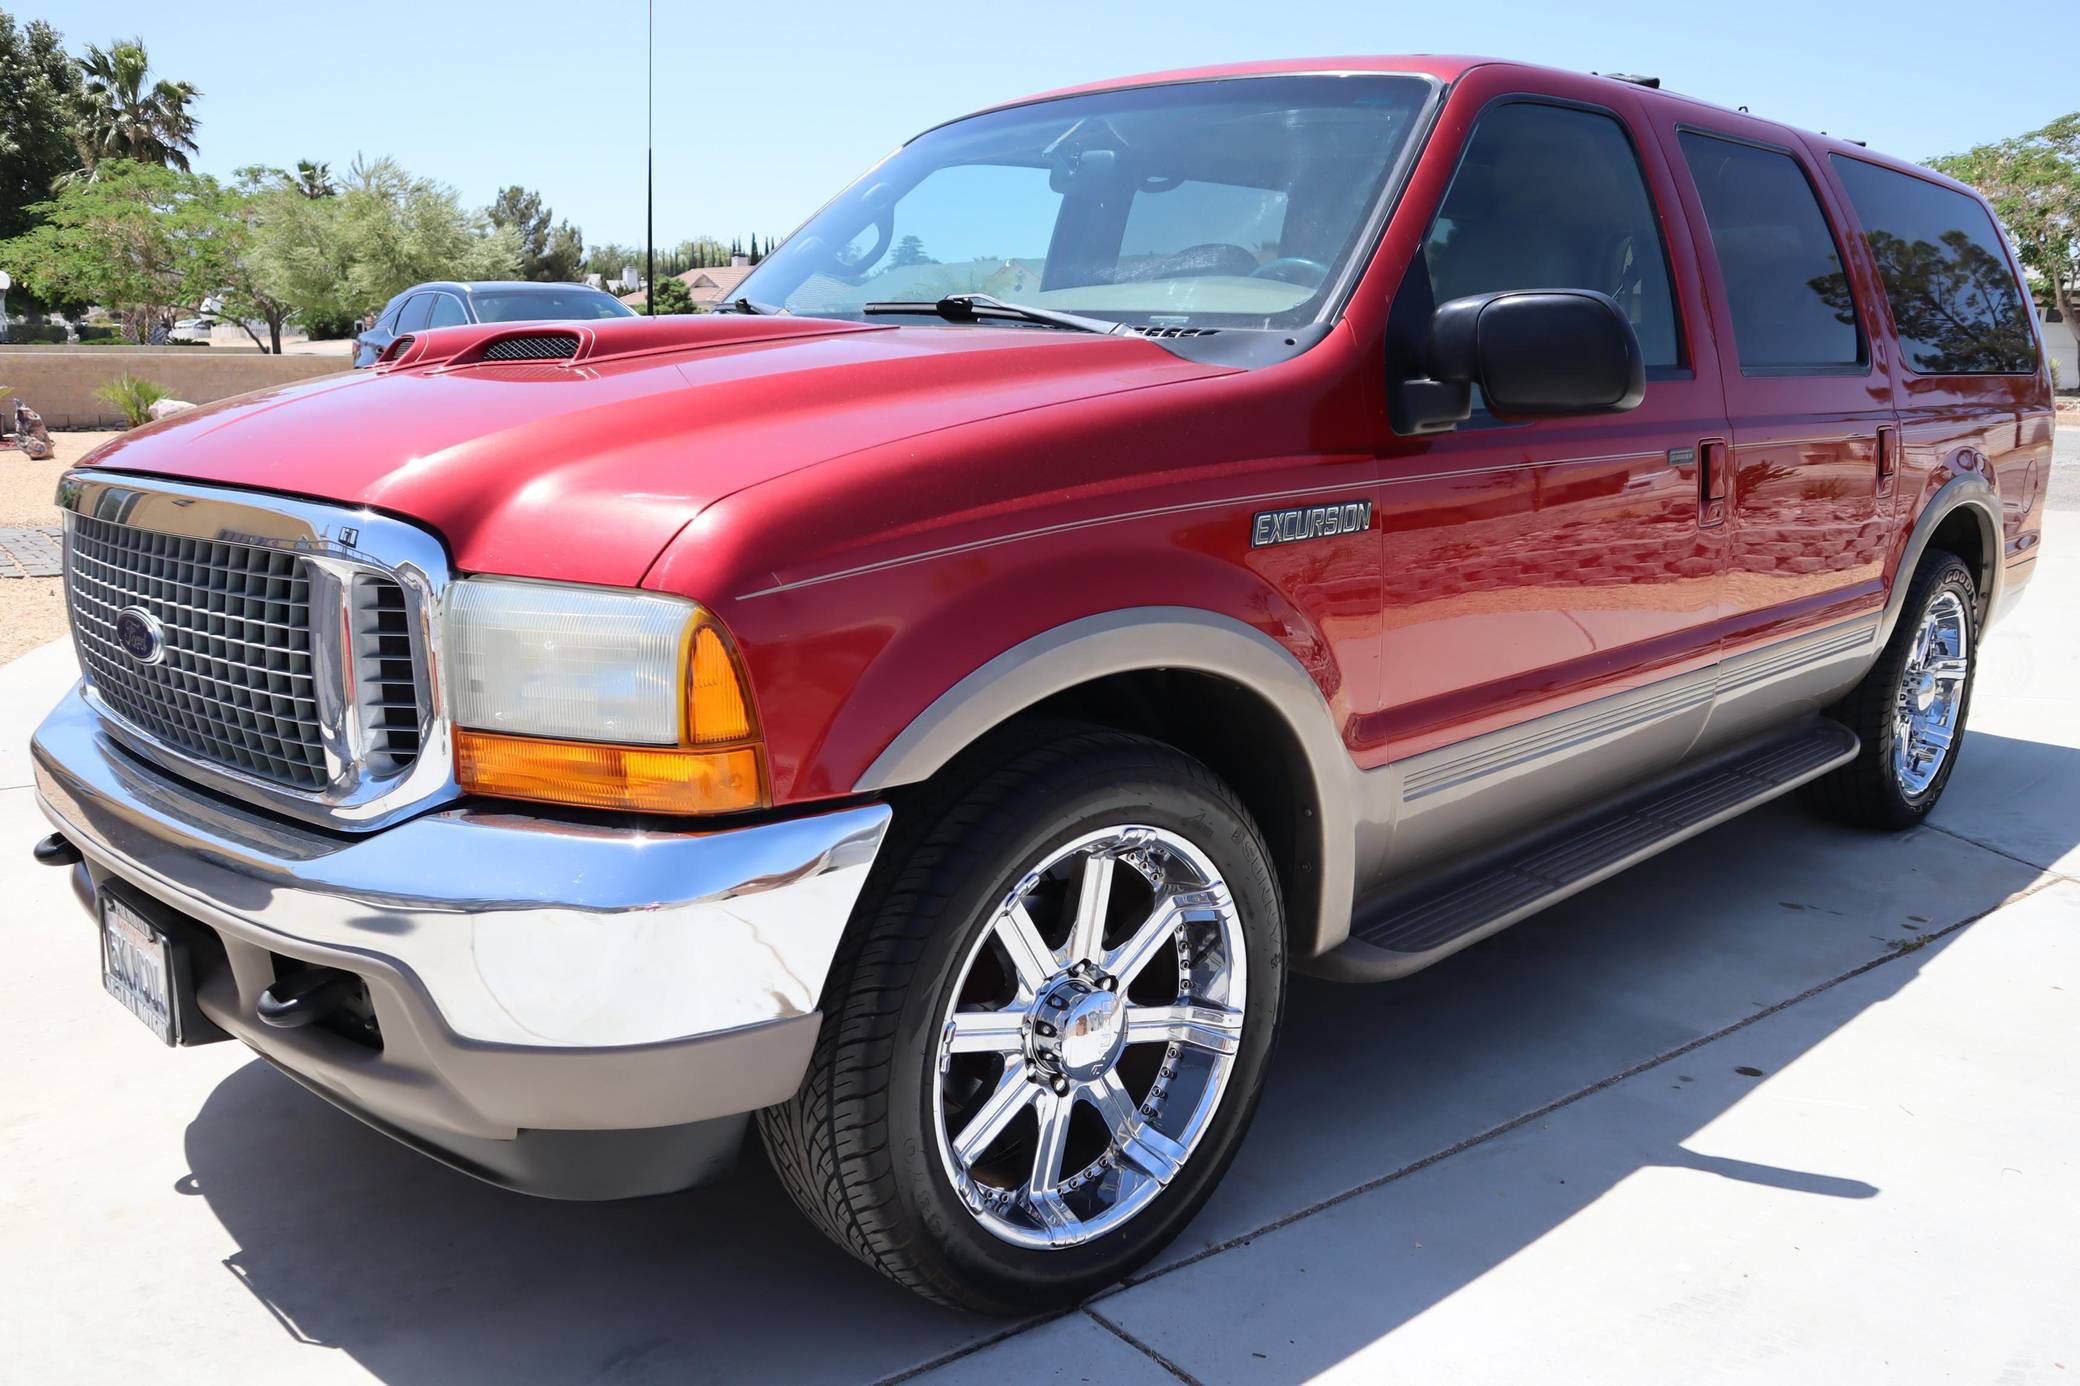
{"x": 745, "y": 305}
{"x": 978, "y": 307}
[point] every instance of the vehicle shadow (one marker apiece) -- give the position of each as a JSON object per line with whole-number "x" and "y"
{"x": 426, "y": 1276}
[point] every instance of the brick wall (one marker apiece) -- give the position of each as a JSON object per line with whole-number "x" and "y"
{"x": 59, "y": 382}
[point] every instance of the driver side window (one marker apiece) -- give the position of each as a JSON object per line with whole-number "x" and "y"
{"x": 1551, "y": 197}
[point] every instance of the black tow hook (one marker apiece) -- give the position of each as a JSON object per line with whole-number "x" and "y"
{"x": 56, "y": 851}
{"x": 307, "y": 997}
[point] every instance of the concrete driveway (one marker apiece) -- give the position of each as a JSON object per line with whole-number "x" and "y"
{"x": 1789, "y": 1102}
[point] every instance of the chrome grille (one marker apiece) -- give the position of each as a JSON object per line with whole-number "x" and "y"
{"x": 284, "y": 652}
{"x": 236, "y": 684}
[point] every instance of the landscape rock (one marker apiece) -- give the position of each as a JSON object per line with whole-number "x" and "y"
{"x": 165, "y": 407}
{"x": 28, "y": 432}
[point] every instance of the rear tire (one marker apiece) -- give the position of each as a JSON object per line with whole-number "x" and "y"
{"x": 1911, "y": 706}
{"x": 935, "y": 1021}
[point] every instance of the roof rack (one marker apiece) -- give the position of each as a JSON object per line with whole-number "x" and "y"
{"x": 1633, "y": 77}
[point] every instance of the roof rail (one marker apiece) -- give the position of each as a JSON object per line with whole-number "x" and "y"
{"x": 1634, "y": 78}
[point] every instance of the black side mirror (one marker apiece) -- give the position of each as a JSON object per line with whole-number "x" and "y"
{"x": 1534, "y": 353}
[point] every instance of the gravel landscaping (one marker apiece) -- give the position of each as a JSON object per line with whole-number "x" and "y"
{"x": 32, "y": 609}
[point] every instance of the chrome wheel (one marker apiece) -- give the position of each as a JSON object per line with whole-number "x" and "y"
{"x": 1928, "y": 713}
{"x": 1090, "y": 1036}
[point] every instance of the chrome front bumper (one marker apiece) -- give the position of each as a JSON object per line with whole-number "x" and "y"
{"x": 527, "y": 973}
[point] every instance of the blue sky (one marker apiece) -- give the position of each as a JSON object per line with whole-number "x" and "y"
{"x": 760, "y": 119}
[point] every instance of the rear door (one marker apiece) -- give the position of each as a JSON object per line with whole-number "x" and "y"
{"x": 1807, "y": 505}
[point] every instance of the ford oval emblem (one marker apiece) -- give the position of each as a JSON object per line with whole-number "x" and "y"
{"x": 140, "y": 635}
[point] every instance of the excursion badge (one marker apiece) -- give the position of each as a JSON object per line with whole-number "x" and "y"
{"x": 1268, "y": 527}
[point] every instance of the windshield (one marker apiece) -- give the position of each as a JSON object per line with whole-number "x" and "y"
{"x": 548, "y": 305}
{"x": 1228, "y": 203}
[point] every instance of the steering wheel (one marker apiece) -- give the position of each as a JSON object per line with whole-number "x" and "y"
{"x": 1292, "y": 269}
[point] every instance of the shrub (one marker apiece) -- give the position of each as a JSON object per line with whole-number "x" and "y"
{"x": 673, "y": 296}
{"x": 319, "y": 328}
{"x": 132, "y": 398}
{"x": 94, "y": 332}
{"x": 34, "y": 334}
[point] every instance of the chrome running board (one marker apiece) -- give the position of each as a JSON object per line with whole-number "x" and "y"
{"x": 1398, "y": 932}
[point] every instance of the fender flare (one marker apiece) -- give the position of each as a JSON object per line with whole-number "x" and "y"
{"x": 1965, "y": 491}
{"x": 1142, "y": 639}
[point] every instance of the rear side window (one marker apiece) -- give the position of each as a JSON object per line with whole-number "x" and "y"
{"x": 1792, "y": 309}
{"x": 447, "y": 312}
{"x": 1551, "y": 197}
{"x": 1954, "y": 299}
{"x": 412, "y": 317}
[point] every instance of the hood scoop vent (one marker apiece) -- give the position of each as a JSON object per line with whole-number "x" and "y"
{"x": 1173, "y": 333}
{"x": 534, "y": 346}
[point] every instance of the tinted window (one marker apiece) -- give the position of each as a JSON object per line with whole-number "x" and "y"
{"x": 412, "y": 317}
{"x": 549, "y": 305}
{"x": 1550, "y": 197}
{"x": 1790, "y": 301}
{"x": 447, "y": 312}
{"x": 1955, "y": 301}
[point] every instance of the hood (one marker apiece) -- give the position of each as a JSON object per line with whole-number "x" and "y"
{"x": 583, "y": 469}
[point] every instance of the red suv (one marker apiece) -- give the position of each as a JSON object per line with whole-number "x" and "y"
{"x": 1131, "y": 543}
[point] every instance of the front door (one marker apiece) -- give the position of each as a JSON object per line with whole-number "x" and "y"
{"x": 1549, "y": 589}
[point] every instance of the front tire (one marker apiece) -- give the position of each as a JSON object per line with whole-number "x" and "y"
{"x": 1047, "y": 1028}
{"x": 1910, "y": 708}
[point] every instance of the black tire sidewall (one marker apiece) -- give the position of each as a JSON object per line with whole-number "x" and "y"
{"x": 993, "y": 1271}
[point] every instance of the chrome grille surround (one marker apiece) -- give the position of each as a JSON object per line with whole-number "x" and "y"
{"x": 300, "y": 669}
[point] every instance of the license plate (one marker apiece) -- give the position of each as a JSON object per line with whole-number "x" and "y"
{"x": 137, "y": 967}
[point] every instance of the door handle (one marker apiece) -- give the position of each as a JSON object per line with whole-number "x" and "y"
{"x": 1714, "y": 477}
{"x": 1888, "y": 458}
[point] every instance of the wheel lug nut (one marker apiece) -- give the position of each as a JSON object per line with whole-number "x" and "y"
{"x": 1061, "y": 1086}
{"x": 1044, "y": 1030}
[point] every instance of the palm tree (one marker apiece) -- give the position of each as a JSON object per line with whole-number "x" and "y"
{"x": 314, "y": 180}
{"x": 121, "y": 117}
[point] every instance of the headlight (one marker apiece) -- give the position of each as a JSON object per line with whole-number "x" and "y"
{"x": 603, "y": 699}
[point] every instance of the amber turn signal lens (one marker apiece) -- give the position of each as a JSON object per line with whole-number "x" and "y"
{"x": 640, "y": 779}
{"x": 715, "y": 706}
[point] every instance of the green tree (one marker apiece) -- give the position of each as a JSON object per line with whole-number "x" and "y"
{"x": 145, "y": 241}
{"x": 397, "y": 230}
{"x": 256, "y": 287}
{"x": 325, "y": 261}
{"x": 609, "y": 259}
{"x": 550, "y": 251}
{"x": 124, "y": 114}
{"x": 909, "y": 251}
{"x": 673, "y": 296}
{"x": 559, "y": 262}
{"x": 39, "y": 95}
{"x": 2033, "y": 182}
